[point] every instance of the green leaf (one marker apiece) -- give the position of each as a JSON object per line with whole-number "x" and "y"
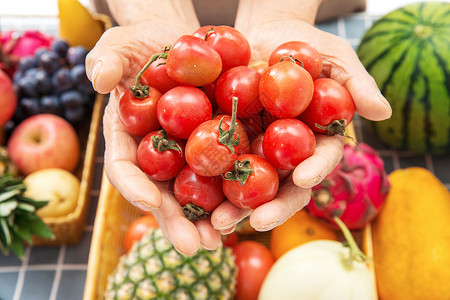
{"x": 18, "y": 248}
{"x": 26, "y": 207}
{"x": 5, "y": 234}
{"x": 22, "y": 232}
{"x": 36, "y": 203}
{"x": 7, "y": 207}
{"x": 39, "y": 228}
{"x": 8, "y": 195}
{"x": 3, "y": 247}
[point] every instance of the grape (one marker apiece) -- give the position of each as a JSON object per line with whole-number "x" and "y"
{"x": 29, "y": 107}
{"x": 17, "y": 75}
{"x": 61, "y": 79}
{"x": 60, "y": 47}
{"x": 86, "y": 88}
{"x": 74, "y": 115}
{"x": 49, "y": 61}
{"x": 27, "y": 86}
{"x": 38, "y": 53}
{"x": 78, "y": 74}
{"x": 71, "y": 99}
{"x": 27, "y": 62}
{"x": 50, "y": 104}
{"x": 76, "y": 55}
{"x": 31, "y": 72}
{"x": 43, "y": 82}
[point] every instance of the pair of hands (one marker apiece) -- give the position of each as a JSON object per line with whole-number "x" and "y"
{"x": 120, "y": 54}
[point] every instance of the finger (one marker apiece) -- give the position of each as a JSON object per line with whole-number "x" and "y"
{"x": 328, "y": 153}
{"x": 209, "y": 237}
{"x": 226, "y": 215}
{"x": 228, "y": 231}
{"x": 106, "y": 62}
{"x": 288, "y": 201}
{"x": 181, "y": 232}
{"x": 121, "y": 163}
{"x": 344, "y": 66}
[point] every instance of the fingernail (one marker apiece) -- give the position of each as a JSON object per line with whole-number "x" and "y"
{"x": 225, "y": 227}
{"x": 95, "y": 71}
{"x": 228, "y": 230}
{"x": 386, "y": 102}
{"x": 141, "y": 204}
{"x": 312, "y": 181}
{"x": 268, "y": 226}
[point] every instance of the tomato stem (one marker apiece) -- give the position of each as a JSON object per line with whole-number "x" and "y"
{"x": 292, "y": 59}
{"x": 194, "y": 213}
{"x": 226, "y": 138}
{"x": 162, "y": 143}
{"x": 242, "y": 170}
{"x": 141, "y": 91}
{"x": 209, "y": 32}
{"x": 336, "y": 127}
{"x": 355, "y": 253}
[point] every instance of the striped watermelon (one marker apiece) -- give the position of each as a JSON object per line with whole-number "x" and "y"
{"x": 408, "y": 53}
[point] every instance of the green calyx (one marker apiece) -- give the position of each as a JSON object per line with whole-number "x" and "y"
{"x": 240, "y": 173}
{"x": 226, "y": 137}
{"x": 194, "y": 213}
{"x": 336, "y": 127}
{"x": 141, "y": 91}
{"x": 355, "y": 253}
{"x": 293, "y": 60}
{"x": 162, "y": 143}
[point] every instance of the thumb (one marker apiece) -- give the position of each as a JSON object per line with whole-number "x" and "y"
{"x": 104, "y": 63}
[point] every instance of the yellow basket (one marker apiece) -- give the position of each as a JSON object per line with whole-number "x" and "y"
{"x": 69, "y": 229}
{"x": 115, "y": 214}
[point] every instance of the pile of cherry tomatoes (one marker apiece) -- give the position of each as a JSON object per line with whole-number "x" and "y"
{"x": 225, "y": 128}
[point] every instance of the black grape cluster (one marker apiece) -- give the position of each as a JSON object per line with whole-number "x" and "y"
{"x": 54, "y": 81}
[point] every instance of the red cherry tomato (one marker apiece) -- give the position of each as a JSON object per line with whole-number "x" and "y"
{"x": 258, "y": 123}
{"x": 205, "y": 192}
{"x": 230, "y": 240}
{"x": 156, "y": 76}
{"x": 182, "y": 109}
{"x": 286, "y": 89}
{"x": 209, "y": 91}
{"x": 253, "y": 261}
{"x": 137, "y": 229}
{"x": 192, "y": 61}
{"x": 232, "y": 45}
{"x": 257, "y": 149}
{"x": 260, "y": 185}
{"x": 241, "y": 82}
{"x": 161, "y": 156}
{"x": 307, "y": 54}
{"x": 137, "y": 115}
{"x": 288, "y": 142}
{"x": 244, "y": 143}
{"x": 331, "y": 109}
{"x": 205, "y": 154}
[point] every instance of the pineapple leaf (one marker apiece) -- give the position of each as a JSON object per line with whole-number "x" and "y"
{"x": 26, "y": 207}
{"x": 5, "y": 233}
{"x": 8, "y": 195}
{"x": 3, "y": 247}
{"x": 39, "y": 228}
{"x": 7, "y": 207}
{"x": 36, "y": 203}
{"x": 17, "y": 247}
{"x": 23, "y": 233}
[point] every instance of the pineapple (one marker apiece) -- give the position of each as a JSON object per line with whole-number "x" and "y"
{"x": 153, "y": 269}
{"x": 18, "y": 219}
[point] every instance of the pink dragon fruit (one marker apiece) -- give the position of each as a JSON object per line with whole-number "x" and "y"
{"x": 355, "y": 191}
{"x": 14, "y": 45}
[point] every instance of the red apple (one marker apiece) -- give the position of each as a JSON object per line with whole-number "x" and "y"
{"x": 8, "y": 98}
{"x": 44, "y": 141}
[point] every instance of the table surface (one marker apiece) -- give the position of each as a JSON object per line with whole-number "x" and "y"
{"x": 60, "y": 272}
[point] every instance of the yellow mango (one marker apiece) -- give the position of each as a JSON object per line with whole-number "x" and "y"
{"x": 411, "y": 238}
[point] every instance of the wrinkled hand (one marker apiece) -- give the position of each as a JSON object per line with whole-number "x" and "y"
{"x": 341, "y": 63}
{"x": 112, "y": 66}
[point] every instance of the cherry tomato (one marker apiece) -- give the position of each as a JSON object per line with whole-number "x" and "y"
{"x": 305, "y": 53}
{"x": 252, "y": 182}
{"x": 253, "y": 261}
{"x": 241, "y": 82}
{"x": 259, "y": 65}
{"x": 204, "y": 192}
{"x": 182, "y": 109}
{"x": 244, "y": 143}
{"x": 257, "y": 149}
{"x": 209, "y": 90}
{"x": 192, "y": 61}
{"x": 286, "y": 89}
{"x": 258, "y": 123}
{"x": 137, "y": 115}
{"x": 205, "y": 154}
{"x": 137, "y": 229}
{"x": 160, "y": 155}
{"x": 288, "y": 142}
{"x": 230, "y": 240}
{"x": 331, "y": 109}
{"x": 232, "y": 45}
{"x": 156, "y": 76}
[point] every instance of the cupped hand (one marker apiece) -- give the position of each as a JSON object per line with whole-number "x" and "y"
{"x": 340, "y": 63}
{"x": 112, "y": 66}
